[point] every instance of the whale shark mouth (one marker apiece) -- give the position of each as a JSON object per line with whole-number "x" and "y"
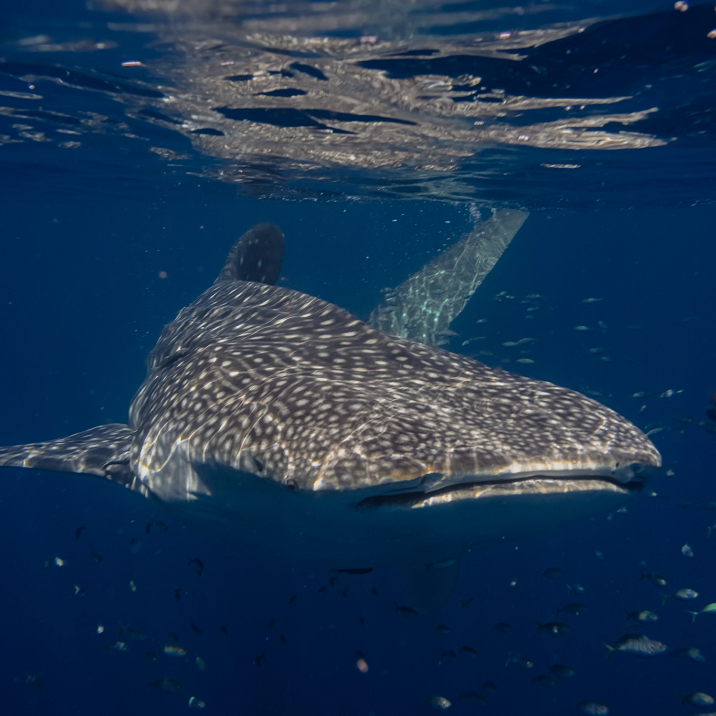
{"x": 528, "y": 485}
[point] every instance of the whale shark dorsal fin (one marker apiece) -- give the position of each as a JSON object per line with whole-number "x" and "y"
{"x": 102, "y": 451}
{"x": 256, "y": 256}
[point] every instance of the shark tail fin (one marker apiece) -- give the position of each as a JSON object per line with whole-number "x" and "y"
{"x": 610, "y": 651}
{"x": 256, "y": 256}
{"x": 424, "y": 305}
{"x": 102, "y": 451}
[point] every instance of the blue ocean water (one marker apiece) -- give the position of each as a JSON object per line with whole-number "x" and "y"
{"x": 113, "y": 224}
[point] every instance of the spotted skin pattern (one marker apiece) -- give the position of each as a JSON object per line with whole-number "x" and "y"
{"x": 292, "y": 389}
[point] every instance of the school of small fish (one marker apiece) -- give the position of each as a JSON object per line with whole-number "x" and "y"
{"x": 454, "y": 645}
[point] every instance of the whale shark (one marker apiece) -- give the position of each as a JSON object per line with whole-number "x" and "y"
{"x": 292, "y": 431}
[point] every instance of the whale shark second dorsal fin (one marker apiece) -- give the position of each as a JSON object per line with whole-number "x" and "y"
{"x": 256, "y": 256}
{"x": 104, "y": 451}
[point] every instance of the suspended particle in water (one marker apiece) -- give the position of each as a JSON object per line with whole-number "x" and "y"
{"x": 362, "y": 666}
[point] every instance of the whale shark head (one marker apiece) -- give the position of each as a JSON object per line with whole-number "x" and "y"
{"x": 292, "y": 430}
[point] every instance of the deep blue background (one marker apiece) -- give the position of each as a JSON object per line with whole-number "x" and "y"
{"x": 81, "y": 304}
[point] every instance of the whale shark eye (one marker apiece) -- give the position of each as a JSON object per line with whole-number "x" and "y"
{"x": 291, "y": 484}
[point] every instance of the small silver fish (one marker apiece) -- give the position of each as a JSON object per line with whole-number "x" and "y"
{"x": 170, "y": 685}
{"x": 407, "y": 612}
{"x": 561, "y": 671}
{"x": 439, "y": 703}
{"x": 131, "y": 632}
{"x": 637, "y": 645}
{"x": 708, "y": 609}
{"x": 691, "y": 653}
{"x": 443, "y": 564}
{"x": 174, "y": 650}
{"x": 654, "y": 578}
{"x": 519, "y": 660}
{"x": 472, "y": 340}
{"x": 501, "y": 628}
{"x": 573, "y": 608}
{"x": 641, "y": 616}
{"x": 592, "y": 708}
{"x": 553, "y": 628}
{"x": 698, "y": 699}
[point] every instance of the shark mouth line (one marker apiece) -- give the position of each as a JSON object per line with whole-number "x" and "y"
{"x": 528, "y": 485}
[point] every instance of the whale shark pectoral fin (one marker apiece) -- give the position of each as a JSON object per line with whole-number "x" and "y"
{"x": 102, "y": 451}
{"x": 428, "y": 587}
{"x": 256, "y": 256}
